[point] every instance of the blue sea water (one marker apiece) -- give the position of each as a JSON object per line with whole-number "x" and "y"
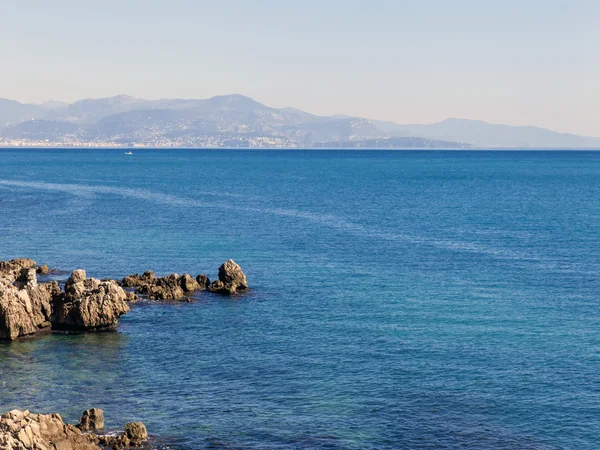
{"x": 418, "y": 300}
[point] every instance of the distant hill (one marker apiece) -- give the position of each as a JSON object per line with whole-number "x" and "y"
{"x": 239, "y": 121}
{"x": 486, "y": 135}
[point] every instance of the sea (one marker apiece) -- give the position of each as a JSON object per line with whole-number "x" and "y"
{"x": 399, "y": 299}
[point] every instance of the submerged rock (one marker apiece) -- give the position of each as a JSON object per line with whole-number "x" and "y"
{"x": 89, "y": 304}
{"x": 231, "y": 279}
{"x": 22, "y": 430}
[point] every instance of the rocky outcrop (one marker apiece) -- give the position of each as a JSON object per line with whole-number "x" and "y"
{"x": 91, "y": 420}
{"x": 171, "y": 287}
{"x": 134, "y": 281}
{"x": 174, "y": 287}
{"x": 134, "y": 435}
{"x": 131, "y": 297}
{"x": 43, "y": 270}
{"x": 25, "y": 306}
{"x": 22, "y": 430}
{"x": 12, "y": 269}
{"x": 203, "y": 281}
{"x": 89, "y": 304}
{"x": 165, "y": 288}
{"x": 231, "y": 280}
{"x": 27, "y": 279}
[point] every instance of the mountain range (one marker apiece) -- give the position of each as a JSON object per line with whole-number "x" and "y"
{"x": 239, "y": 121}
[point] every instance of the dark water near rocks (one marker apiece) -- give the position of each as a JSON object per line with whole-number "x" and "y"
{"x": 400, "y": 299}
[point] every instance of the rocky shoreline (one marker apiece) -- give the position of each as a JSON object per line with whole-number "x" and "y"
{"x": 87, "y": 304}
{"x": 22, "y": 430}
{"x": 84, "y": 304}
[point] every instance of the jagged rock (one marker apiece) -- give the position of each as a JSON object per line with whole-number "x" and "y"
{"x": 92, "y": 420}
{"x": 43, "y": 270}
{"x": 174, "y": 287}
{"x": 138, "y": 280}
{"x": 21, "y": 430}
{"x": 188, "y": 284}
{"x": 27, "y": 279}
{"x": 131, "y": 297}
{"x": 77, "y": 276}
{"x": 203, "y": 282}
{"x": 171, "y": 287}
{"x": 135, "y": 435}
{"x": 25, "y": 307}
{"x": 12, "y": 269}
{"x": 165, "y": 288}
{"x": 231, "y": 279}
{"x": 136, "y": 432}
{"x": 89, "y": 304}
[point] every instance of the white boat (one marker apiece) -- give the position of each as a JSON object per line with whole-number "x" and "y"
{"x": 129, "y": 153}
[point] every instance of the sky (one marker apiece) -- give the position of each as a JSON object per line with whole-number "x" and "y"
{"x": 526, "y": 62}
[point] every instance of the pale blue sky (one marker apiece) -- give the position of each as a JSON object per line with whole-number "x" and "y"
{"x": 517, "y": 62}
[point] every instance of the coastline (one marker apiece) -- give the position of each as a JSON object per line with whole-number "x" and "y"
{"x": 301, "y": 148}
{"x": 29, "y": 308}
{"x": 22, "y": 430}
{"x": 85, "y": 304}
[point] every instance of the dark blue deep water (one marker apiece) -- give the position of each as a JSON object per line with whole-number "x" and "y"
{"x": 399, "y": 299}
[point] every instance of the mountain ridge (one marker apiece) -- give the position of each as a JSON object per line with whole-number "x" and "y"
{"x": 239, "y": 120}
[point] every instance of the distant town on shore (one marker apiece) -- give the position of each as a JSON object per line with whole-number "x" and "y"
{"x": 236, "y": 121}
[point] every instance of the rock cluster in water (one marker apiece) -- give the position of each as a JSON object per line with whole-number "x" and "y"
{"x": 88, "y": 304}
{"x": 175, "y": 287}
{"x": 25, "y": 305}
{"x": 22, "y": 430}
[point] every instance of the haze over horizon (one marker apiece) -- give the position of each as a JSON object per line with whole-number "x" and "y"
{"x": 516, "y": 63}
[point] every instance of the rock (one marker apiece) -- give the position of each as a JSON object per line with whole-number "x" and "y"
{"x": 20, "y": 430}
{"x": 26, "y": 307}
{"x": 136, "y": 432}
{"x": 12, "y": 269}
{"x": 203, "y": 282}
{"x": 131, "y": 297}
{"x": 43, "y": 270}
{"x": 92, "y": 420}
{"x": 27, "y": 279}
{"x": 165, "y": 288}
{"x": 135, "y": 435}
{"x": 138, "y": 280}
{"x": 174, "y": 287}
{"x": 89, "y": 304}
{"x": 77, "y": 276}
{"x": 231, "y": 279}
{"x": 188, "y": 284}
{"x": 171, "y": 287}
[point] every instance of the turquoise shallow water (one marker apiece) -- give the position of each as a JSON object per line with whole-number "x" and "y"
{"x": 399, "y": 299}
